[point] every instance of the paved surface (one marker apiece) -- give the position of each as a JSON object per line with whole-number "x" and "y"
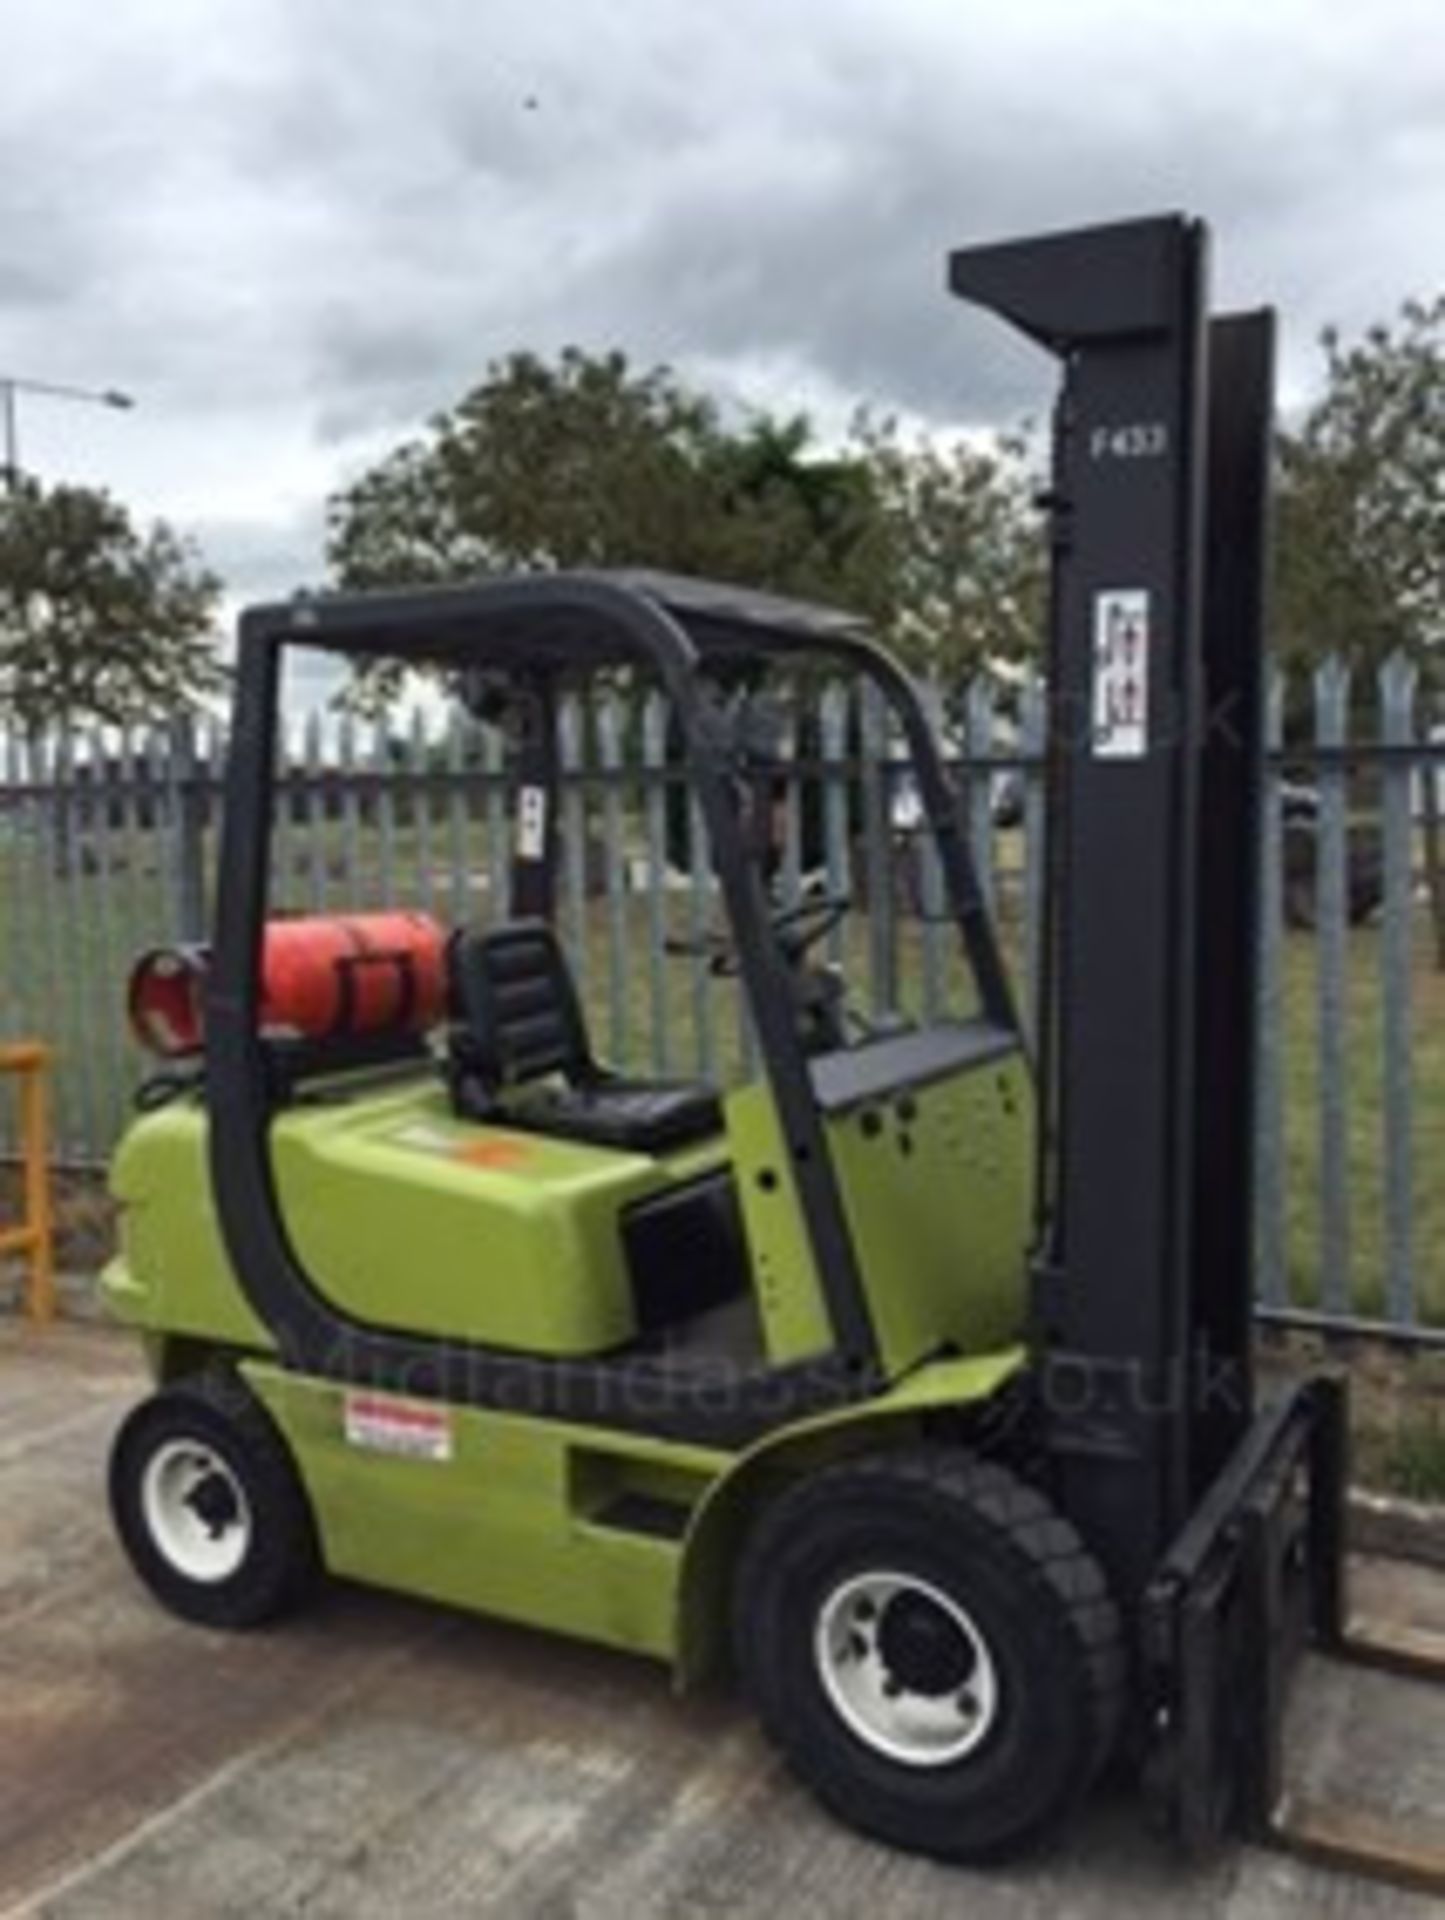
{"x": 378, "y": 1758}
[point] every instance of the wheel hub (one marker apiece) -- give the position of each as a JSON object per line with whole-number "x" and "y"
{"x": 213, "y": 1501}
{"x": 195, "y": 1510}
{"x": 924, "y": 1650}
{"x": 906, "y": 1668}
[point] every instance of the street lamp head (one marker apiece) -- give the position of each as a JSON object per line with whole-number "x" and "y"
{"x": 11, "y": 386}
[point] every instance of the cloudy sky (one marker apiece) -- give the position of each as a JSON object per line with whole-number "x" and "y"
{"x": 294, "y": 228}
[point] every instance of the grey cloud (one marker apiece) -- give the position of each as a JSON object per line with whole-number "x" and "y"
{"x": 266, "y": 557}
{"x": 335, "y": 212}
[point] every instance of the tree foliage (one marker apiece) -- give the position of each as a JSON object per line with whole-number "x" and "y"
{"x": 1361, "y": 568}
{"x": 966, "y": 547}
{"x": 1362, "y": 498}
{"x": 98, "y": 619}
{"x": 588, "y": 462}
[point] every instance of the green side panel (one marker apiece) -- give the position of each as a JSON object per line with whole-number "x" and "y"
{"x": 936, "y": 1186}
{"x": 720, "y": 1522}
{"x": 500, "y": 1514}
{"x": 794, "y": 1312}
{"x": 172, "y": 1274}
{"x": 521, "y": 1518}
{"x": 407, "y": 1217}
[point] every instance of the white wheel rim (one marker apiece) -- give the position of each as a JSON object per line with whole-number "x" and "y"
{"x": 196, "y": 1510}
{"x": 906, "y": 1668}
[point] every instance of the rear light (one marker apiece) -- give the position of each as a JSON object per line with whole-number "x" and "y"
{"x": 166, "y": 1000}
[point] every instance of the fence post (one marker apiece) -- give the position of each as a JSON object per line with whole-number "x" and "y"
{"x": 460, "y": 734}
{"x": 877, "y": 836}
{"x": 1332, "y": 705}
{"x": 188, "y": 816}
{"x": 383, "y": 779}
{"x": 1432, "y": 779}
{"x": 54, "y": 996}
{"x": 109, "y": 972}
{"x": 74, "y": 1001}
{"x": 1033, "y": 739}
{"x": 17, "y": 818}
{"x": 1271, "y": 1237}
{"x": 499, "y": 852}
{"x": 654, "y": 783}
{"x": 571, "y": 718}
{"x": 833, "y": 732}
{"x": 1397, "y": 709}
{"x": 314, "y": 809}
{"x": 609, "y": 755}
{"x": 353, "y": 865}
{"x": 979, "y": 744}
{"x": 700, "y": 888}
{"x": 420, "y": 805}
{"x": 930, "y": 899}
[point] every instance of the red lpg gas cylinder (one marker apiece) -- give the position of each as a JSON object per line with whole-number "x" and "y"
{"x": 338, "y": 977}
{"x": 323, "y": 978}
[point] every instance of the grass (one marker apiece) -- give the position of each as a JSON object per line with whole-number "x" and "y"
{"x": 1414, "y": 1458}
{"x": 1397, "y": 1407}
{"x": 1364, "y": 1073}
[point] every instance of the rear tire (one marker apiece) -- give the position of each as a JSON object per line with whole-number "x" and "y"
{"x": 932, "y": 1649}
{"x": 209, "y": 1507}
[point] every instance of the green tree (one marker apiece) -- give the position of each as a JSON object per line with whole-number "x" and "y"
{"x": 967, "y": 562}
{"x": 803, "y": 522}
{"x": 99, "y": 620}
{"x": 586, "y": 462}
{"x": 1361, "y": 503}
{"x": 1361, "y": 552}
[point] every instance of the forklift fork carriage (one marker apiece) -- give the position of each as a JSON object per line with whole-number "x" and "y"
{"x": 1226, "y": 1523}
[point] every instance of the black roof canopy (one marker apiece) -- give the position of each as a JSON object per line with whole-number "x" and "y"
{"x": 581, "y": 620}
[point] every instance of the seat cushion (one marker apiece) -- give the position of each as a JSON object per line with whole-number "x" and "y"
{"x": 641, "y": 1116}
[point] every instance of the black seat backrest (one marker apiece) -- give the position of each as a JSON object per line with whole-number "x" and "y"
{"x": 519, "y": 1014}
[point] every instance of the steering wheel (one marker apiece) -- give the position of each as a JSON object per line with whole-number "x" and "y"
{"x": 797, "y": 928}
{"x": 713, "y": 947}
{"x": 802, "y": 926}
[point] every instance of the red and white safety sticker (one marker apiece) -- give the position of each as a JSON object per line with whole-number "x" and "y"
{"x": 406, "y": 1427}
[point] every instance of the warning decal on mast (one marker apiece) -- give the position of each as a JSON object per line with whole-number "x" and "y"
{"x": 1121, "y": 674}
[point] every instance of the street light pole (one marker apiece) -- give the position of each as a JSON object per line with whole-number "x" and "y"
{"x": 12, "y": 438}
{"x": 12, "y": 386}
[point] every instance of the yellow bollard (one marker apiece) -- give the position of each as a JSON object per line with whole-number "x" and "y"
{"x": 35, "y": 1236}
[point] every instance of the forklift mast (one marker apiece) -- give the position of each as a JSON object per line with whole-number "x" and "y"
{"x": 1142, "y": 1280}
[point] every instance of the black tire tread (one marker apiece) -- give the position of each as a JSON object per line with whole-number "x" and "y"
{"x": 1055, "y": 1558}
{"x": 287, "y": 1561}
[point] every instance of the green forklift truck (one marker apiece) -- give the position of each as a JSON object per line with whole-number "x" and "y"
{"x": 909, "y": 1378}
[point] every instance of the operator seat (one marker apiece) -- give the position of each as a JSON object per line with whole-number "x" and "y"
{"x": 519, "y": 1053}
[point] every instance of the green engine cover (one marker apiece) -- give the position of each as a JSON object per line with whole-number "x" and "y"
{"x": 403, "y": 1216}
{"x": 408, "y": 1217}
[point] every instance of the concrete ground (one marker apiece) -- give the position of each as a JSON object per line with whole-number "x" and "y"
{"x": 378, "y": 1757}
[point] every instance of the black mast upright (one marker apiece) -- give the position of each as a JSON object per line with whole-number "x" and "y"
{"x": 1231, "y": 784}
{"x": 1142, "y": 1271}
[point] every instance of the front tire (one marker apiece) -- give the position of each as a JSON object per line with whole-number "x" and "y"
{"x": 932, "y": 1649}
{"x": 209, "y": 1507}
